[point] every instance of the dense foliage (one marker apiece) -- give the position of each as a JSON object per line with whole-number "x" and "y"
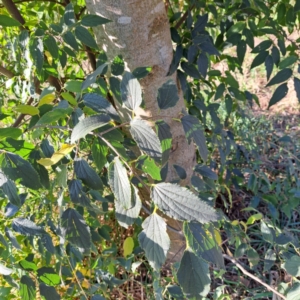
{"x": 76, "y": 223}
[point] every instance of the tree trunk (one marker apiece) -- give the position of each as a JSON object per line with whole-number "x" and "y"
{"x": 140, "y": 32}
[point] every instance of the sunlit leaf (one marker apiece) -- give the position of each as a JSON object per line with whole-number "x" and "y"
{"x": 128, "y": 246}
{"x": 57, "y": 156}
{"x": 48, "y": 276}
{"x": 27, "y": 110}
{"x": 26, "y": 227}
{"x": 27, "y": 288}
{"x": 46, "y": 99}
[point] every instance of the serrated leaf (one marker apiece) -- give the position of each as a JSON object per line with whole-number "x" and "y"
{"x": 75, "y": 230}
{"x": 193, "y": 275}
{"x": 259, "y": 59}
{"x": 119, "y": 183}
{"x": 100, "y": 105}
{"x": 179, "y": 203}
{"x": 48, "y": 276}
{"x": 190, "y": 70}
{"x": 12, "y": 238}
{"x": 297, "y": 87}
{"x": 202, "y": 241}
{"x": 48, "y": 292}
{"x": 146, "y": 138}
{"x": 90, "y": 79}
{"x": 26, "y": 227}
{"x": 69, "y": 39}
{"x": 10, "y": 132}
{"x": 127, "y": 217}
{"x": 54, "y": 115}
{"x": 69, "y": 15}
{"x": 279, "y": 94}
{"x": 128, "y": 246}
{"x": 27, "y": 288}
{"x": 4, "y": 270}
{"x": 93, "y": 20}
{"x": 167, "y": 95}
{"x": 15, "y": 167}
{"x": 206, "y": 172}
{"x": 47, "y": 243}
{"x": 7, "y": 21}
{"x": 99, "y": 153}
{"x": 269, "y": 65}
{"x": 131, "y": 91}
{"x": 88, "y": 175}
{"x": 77, "y": 194}
{"x": 26, "y": 110}
{"x": 85, "y": 37}
{"x": 51, "y": 45}
{"x": 202, "y": 63}
{"x": 281, "y": 76}
{"x": 10, "y": 210}
{"x": 10, "y": 190}
{"x": 165, "y": 137}
{"x": 155, "y": 240}
{"x": 87, "y": 125}
{"x": 56, "y": 156}
{"x": 193, "y": 130}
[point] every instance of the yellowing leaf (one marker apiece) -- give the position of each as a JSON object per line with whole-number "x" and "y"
{"x": 49, "y": 57}
{"x": 57, "y": 156}
{"x": 46, "y": 99}
{"x": 235, "y": 222}
{"x": 253, "y": 218}
{"x": 128, "y": 246}
{"x": 69, "y": 98}
{"x": 85, "y": 284}
{"x": 27, "y": 110}
{"x": 218, "y": 237}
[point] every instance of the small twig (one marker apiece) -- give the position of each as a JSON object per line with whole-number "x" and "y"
{"x": 183, "y": 18}
{"x": 253, "y": 276}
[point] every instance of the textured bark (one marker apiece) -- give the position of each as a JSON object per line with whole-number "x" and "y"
{"x": 140, "y": 32}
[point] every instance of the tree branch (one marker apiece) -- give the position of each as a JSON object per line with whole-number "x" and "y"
{"x": 6, "y": 72}
{"x": 253, "y": 276}
{"x": 13, "y": 10}
{"x": 183, "y": 18}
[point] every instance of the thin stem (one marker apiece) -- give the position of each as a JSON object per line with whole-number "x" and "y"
{"x": 253, "y": 276}
{"x": 6, "y": 72}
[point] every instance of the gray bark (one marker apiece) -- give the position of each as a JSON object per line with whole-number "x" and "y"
{"x": 140, "y": 32}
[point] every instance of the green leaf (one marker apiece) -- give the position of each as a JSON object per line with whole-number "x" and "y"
{"x": 9, "y": 189}
{"x": 190, "y": 70}
{"x": 181, "y": 204}
{"x": 127, "y": 217}
{"x": 85, "y": 37}
{"x": 292, "y": 265}
{"x": 241, "y": 51}
{"x": 51, "y": 45}
{"x": 206, "y": 172}
{"x": 276, "y": 55}
{"x": 73, "y": 86}
{"x": 149, "y": 166}
{"x": 37, "y": 53}
{"x": 165, "y": 137}
{"x": 69, "y": 15}
{"x": 15, "y": 167}
{"x": 264, "y": 45}
{"x": 155, "y": 240}
{"x": 77, "y": 194}
{"x": 193, "y": 275}
{"x": 75, "y": 230}
{"x": 26, "y": 110}
{"x": 48, "y": 276}
{"x": 220, "y": 91}
{"x": 87, "y": 125}
{"x": 93, "y": 20}
{"x": 259, "y": 59}
{"x": 12, "y": 238}
{"x": 117, "y": 66}
{"x": 141, "y": 72}
{"x": 69, "y": 39}
{"x": 202, "y": 63}
{"x": 269, "y": 66}
{"x": 167, "y": 95}
{"x": 128, "y": 246}
{"x": 297, "y": 87}
{"x": 180, "y": 171}
{"x": 54, "y": 115}
{"x": 90, "y": 79}
{"x": 146, "y": 138}
{"x": 119, "y": 183}
{"x": 288, "y": 61}
{"x": 99, "y": 153}
{"x": 10, "y": 132}
{"x": 3, "y": 269}
{"x": 7, "y": 21}
{"x": 26, "y": 227}
{"x": 279, "y": 94}
{"x": 281, "y": 76}
{"x": 48, "y": 292}
{"x": 193, "y": 130}
{"x": 28, "y": 265}
{"x": 88, "y": 175}
{"x": 27, "y": 288}
{"x": 230, "y": 80}
{"x": 294, "y": 291}
{"x": 131, "y": 91}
